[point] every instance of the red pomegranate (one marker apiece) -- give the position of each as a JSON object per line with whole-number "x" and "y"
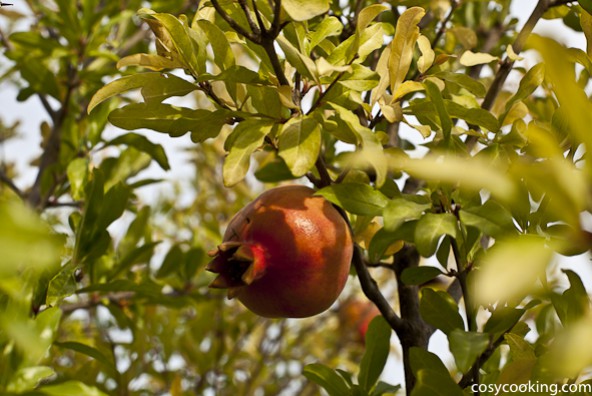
{"x": 355, "y": 316}
{"x": 286, "y": 254}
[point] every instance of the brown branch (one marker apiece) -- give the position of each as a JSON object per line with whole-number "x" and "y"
{"x": 518, "y": 45}
{"x": 507, "y": 64}
{"x": 51, "y": 151}
{"x": 453, "y": 6}
{"x": 371, "y": 290}
{"x": 254, "y": 28}
{"x": 234, "y": 25}
{"x": 10, "y": 184}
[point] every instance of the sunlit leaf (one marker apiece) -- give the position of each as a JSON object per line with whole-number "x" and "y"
{"x": 430, "y": 228}
{"x": 469, "y": 58}
{"x": 249, "y": 136}
{"x": 300, "y": 144}
{"x": 510, "y": 269}
{"x": 302, "y": 10}
{"x": 406, "y": 35}
{"x": 377, "y": 352}
{"x": 359, "y": 199}
{"x": 439, "y": 309}
{"x": 326, "y": 378}
{"x": 467, "y": 347}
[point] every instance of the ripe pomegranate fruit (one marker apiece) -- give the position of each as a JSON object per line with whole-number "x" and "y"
{"x": 354, "y": 317}
{"x": 286, "y": 254}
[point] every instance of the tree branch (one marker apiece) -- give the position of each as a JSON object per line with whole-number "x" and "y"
{"x": 254, "y": 28}
{"x": 10, "y": 184}
{"x": 518, "y": 45}
{"x": 234, "y": 25}
{"x": 371, "y": 290}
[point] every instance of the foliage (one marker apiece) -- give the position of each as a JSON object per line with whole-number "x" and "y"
{"x": 462, "y": 192}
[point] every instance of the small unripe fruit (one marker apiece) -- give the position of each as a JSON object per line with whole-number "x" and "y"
{"x": 286, "y": 254}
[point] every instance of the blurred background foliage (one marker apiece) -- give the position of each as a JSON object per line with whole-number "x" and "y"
{"x": 102, "y": 288}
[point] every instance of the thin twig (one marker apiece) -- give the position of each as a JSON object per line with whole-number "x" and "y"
{"x": 10, "y": 184}
{"x": 453, "y": 6}
{"x": 254, "y": 28}
{"x": 234, "y": 25}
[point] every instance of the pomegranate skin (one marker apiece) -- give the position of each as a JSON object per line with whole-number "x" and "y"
{"x": 286, "y": 254}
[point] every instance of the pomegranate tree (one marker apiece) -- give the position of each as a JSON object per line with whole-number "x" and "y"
{"x": 286, "y": 254}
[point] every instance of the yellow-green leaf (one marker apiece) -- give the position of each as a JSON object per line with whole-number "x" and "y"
{"x": 469, "y": 58}
{"x": 402, "y": 46}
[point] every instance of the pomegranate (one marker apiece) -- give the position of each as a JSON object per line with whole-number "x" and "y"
{"x": 355, "y": 315}
{"x": 286, "y": 254}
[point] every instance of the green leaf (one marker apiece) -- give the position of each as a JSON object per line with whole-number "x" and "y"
{"x": 586, "y": 5}
{"x": 71, "y": 388}
{"x": 372, "y": 151}
{"x": 27, "y": 378}
{"x": 433, "y": 92}
{"x": 473, "y": 86}
{"x": 177, "y": 41}
{"x": 377, "y": 351}
{"x": 420, "y": 275}
{"x": 382, "y": 387}
{"x": 440, "y": 310}
{"x": 402, "y": 209}
{"x": 421, "y": 359}
{"x": 77, "y": 173}
{"x": 166, "y": 118}
{"x": 328, "y": 379}
{"x": 274, "y": 171}
{"x": 328, "y": 27}
{"x": 139, "y": 255}
{"x": 246, "y": 138}
{"x": 360, "y": 78}
{"x": 383, "y": 239}
{"x": 473, "y": 116}
{"x": 510, "y": 269}
{"x": 171, "y": 262}
{"x": 502, "y": 320}
{"x": 302, "y": 10}
{"x": 360, "y": 199}
{"x": 303, "y": 64}
{"x": 62, "y": 285}
{"x": 300, "y": 144}
{"x": 40, "y": 78}
{"x": 470, "y": 173}
{"x": 143, "y": 144}
{"x": 137, "y": 230}
{"x": 430, "y": 228}
{"x": 467, "y": 347}
{"x": 403, "y": 45}
{"x": 155, "y": 87}
{"x": 25, "y": 240}
{"x": 223, "y": 55}
{"x": 491, "y": 218}
{"x": 434, "y": 383}
{"x": 148, "y": 61}
{"x": 89, "y": 351}
{"x": 531, "y": 81}
{"x": 519, "y": 347}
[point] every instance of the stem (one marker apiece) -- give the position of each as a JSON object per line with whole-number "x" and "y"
{"x": 453, "y": 6}
{"x": 507, "y": 64}
{"x": 10, "y": 184}
{"x": 371, "y": 290}
{"x": 254, "y": 28}
{"x": 234, "y": 25}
